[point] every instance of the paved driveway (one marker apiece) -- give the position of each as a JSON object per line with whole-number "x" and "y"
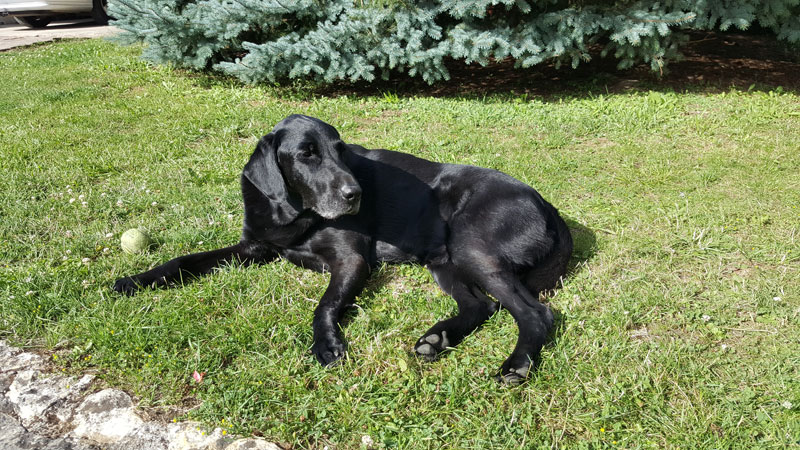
{"x": 17, "y": 35}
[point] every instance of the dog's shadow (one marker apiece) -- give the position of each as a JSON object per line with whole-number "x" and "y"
{"x": 584, "y": 246}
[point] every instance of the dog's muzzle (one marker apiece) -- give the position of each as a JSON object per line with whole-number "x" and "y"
{"x": 344, "y": 201}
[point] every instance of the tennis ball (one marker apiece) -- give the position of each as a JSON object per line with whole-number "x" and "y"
{"x": 135, "y": 241}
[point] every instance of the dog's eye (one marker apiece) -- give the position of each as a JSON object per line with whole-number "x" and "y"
{"x": 309, "y": 151}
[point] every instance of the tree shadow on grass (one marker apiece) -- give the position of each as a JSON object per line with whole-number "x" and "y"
{"x": 380, "y": 277}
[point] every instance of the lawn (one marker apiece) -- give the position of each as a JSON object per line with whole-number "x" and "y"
{"x": 677, "y": 327}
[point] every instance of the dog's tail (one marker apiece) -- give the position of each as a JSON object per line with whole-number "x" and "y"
{"x": 549, "y": 271}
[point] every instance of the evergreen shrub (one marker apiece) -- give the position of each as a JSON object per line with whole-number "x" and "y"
{"x": 327, "y": 40}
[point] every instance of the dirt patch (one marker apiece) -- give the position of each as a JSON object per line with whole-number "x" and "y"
{"x": 741, "y": 60}
{"x": 714, "y": 61}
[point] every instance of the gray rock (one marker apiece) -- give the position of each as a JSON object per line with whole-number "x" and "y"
{"x": 6, "y": 353}
{"x": 106, "y": 417}
{"x": 193, "y": 436}
{"x": 13, "y": 359}
{"x": 32, "y": 393}
{"x": 5, "y": 381}
{"x": 10, "y": 432}
{"x": 5, "y": 406}
{"x": 186, "y": 436}
{"x": 149, "y": 436}
{"x": 14, "y": 436}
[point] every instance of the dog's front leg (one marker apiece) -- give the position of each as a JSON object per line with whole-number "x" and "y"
{"x": 194, "y": 265}
{"x": 347, "y": 279}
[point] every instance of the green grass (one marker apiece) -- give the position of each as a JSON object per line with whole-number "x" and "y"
{"x": 677, "y": 328}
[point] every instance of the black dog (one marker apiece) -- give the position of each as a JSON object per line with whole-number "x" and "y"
{"x": 330, "y": 206}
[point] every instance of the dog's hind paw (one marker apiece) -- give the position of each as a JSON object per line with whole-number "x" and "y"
{"x": 431, "y": 346}
{"x": 514, "y": 371}
{"x": 511, "y": 378}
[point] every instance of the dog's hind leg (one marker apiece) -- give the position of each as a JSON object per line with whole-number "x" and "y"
{"x": 194, "y": 265}
{"x": 533, "y": 318}
{"x": 474, "y": 308}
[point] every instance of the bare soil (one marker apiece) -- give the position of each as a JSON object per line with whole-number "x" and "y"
{"x": 714, "y": 61}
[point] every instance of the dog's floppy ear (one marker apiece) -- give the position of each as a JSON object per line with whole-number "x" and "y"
{"x": 262, "y": 171}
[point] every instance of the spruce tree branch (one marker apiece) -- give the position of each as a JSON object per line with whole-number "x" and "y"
{"x": 686, "y": 18}
{"x": 282, "y": 5}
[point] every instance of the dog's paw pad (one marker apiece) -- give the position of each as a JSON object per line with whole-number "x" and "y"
{"x": 425, "y": 350}
{"x": 521, "y": 371}
{"x": 430, "y": 346}
{"x": 433, "y": 339}
{"x": 511, "y": 379}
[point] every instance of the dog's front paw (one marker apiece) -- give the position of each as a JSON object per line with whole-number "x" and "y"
{"x": 328, "y": 350}
{"x": 432, "y": 345}
{"x": 126, "y": 286}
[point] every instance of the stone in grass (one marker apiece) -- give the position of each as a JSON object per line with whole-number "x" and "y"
{"x": 105, "y": 417}
{"x": 34, "y": 394}
{"x": 14, "y": 436}
{"x": 13, "y": 359}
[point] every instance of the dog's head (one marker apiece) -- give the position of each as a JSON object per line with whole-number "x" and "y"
{"x": 298, "y": 166}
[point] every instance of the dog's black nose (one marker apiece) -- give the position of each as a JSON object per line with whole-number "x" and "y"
{"x": 351, "y": 192}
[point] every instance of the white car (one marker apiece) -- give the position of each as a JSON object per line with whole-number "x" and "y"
{"x": 38, "y": 13}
